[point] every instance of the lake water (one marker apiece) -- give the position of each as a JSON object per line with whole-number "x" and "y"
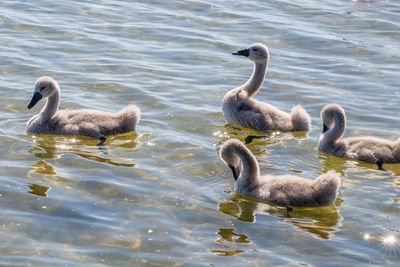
{"x": 161, "y": 196}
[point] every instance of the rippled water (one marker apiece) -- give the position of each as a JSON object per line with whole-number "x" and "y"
{"x": 161, "y": 195}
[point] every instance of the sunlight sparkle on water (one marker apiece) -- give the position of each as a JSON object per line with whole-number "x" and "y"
{"x": 218, "y": 134}
{"x": 389, "y": 241}
{"x": 63, "y": 147}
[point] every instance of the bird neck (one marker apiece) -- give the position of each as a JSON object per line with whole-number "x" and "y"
{"x": 250, "y": 169}
{"x": 337, "y": 131}
{"x": 256, "y": 80}
{"x": 51, "y": 106}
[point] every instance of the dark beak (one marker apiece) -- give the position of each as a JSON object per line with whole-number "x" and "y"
{"x": 244, "y": 52}
{"x": 235, "y": 172}
{"x": 325, "y": 129}
{"x": 36, "y": 97}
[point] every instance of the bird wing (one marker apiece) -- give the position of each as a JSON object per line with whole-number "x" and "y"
{"x": 248, "y": 114}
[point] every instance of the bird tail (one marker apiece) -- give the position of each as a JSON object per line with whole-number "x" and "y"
{"x": 300, "y": 119}
{"x": 326, "y": 188}
{"x": 130, "y": 116}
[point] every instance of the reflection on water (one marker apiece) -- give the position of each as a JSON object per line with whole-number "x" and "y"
{"x": 330, "y": 162}
{"x": 38, "y": 190}
{"x": 228, "y": 234}
{"x": 226, "y": 252}
{"x": 321, "y": 222}
{"x": 241, "y": 209}
{"x": 173, "y": 59}
{"x": 52, "y": 147}
{"x": 43, "y": 167}
{"x": 272, "y": 138}
{"x": 340, "y": 164}
{"x": 396, "y": 182}
{"x": 391, "y": 241}
{"x": 388, "y": 241}
{"x": 260, "y": 147}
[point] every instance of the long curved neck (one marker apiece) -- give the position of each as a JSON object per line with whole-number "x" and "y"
{"x": 256, "y": 80}
{"x": 51, "y": 106}
{"x": 333, "y": 134}
{"x": 250, "y": 170}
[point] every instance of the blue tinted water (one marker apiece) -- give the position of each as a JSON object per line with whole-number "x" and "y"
{"x": 162, "y": 196}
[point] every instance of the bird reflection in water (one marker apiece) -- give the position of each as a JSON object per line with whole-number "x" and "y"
{"x": 52, "y": 147}
{"x": 321, "y": 222}
{"x": 339, "y": 164}
{"x": 221, "y": 252}
{"x": 43, "y": 167}
{"x": 39, "y": 190}
{"x": 248, "y": 136}
{"x": 229, "y": 235}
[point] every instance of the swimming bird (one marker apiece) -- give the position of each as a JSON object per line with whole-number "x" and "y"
{"x": 370, "y": 149}
{"x": 82, "y": 122}
{"x": 285, "y": 190}
{"x": 240, "y": 108}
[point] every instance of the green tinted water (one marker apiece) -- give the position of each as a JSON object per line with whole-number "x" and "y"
{"x": 161, "y": 196}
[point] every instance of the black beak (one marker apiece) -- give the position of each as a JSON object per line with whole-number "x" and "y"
{"x": 235, "y": 172}
{"x": 325, "y": 129}
{"x": 36, "y": 97}
{"x": 244, "y": 52}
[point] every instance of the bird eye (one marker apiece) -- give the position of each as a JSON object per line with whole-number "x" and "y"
{"x": 41, "y": 88}
{"x": 255, "y": 49}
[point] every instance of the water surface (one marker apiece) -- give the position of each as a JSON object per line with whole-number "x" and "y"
{"x": 161, "y": 195}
